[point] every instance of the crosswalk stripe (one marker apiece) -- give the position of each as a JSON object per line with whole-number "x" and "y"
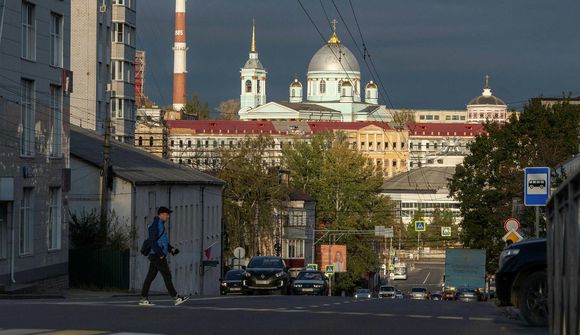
{"x": 76, "y": 332}
{"x": 22, "y": 331}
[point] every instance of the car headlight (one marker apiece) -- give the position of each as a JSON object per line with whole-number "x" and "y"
{"x": 318, "y": 285}
{"x": 297, "y": 285}
{"x": 507, "y": 253}
{"x": 247, "y": 274}
{"x": 224, "y": 284}
{"x": 280, "y": 274}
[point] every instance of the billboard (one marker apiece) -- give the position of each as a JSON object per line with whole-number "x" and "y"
{"x": 333, "y": 255}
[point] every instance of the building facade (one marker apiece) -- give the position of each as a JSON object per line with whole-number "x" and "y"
{"x": 198, "y": 143}
{"x": 150, "y": 131}
{"x": 103, "y": 59}
{"x": 440, "y": 144}
{"x": 140, "y": 184}
{"x": 123, "y": 41}
{"x": 487, "y": 107}
{"x": 35, "y": 84}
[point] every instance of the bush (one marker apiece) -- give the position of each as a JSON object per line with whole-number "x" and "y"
{"x": 87, "y": 231}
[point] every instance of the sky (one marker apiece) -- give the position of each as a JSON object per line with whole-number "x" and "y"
{"x": 429, "y": 54}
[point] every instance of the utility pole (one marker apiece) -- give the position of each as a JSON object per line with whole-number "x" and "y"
{"x": 105, "y": 172}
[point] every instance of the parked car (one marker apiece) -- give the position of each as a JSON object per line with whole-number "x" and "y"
{"x": 521, "y": 280}
{"x": 387, "y": 292}
{"x": 232, "y": 282}
{"x": 266, "y": 273}
{"x": 466, "y": 295}
{"x": 310, "y": 282}
{"x": 419, "y": 293}
{"x": 362, "y": 293}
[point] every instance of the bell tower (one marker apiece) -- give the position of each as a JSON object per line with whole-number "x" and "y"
{"x": 252, "y": 79}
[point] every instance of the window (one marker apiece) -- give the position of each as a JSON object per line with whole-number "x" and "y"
{"x": 28, "y": 31}
{"x": 172, "y": 143}
{"x": 26, "y": 222}
{"x": 448, "y": 117}
{"x": 117, "y": 70}
{"x": 117, "y": 32}
{"x": 151, "y": 141}
{"x": 258, "y": 85}
{"x": 140, "y": 143}
{"x": 189, "y": 143}
{"x": 117, "y": 107}
{"x": 27, "y": 117}
{"x": 295, "y": 248}
{"x": 55, "y": 219}
{"x": 56, "y": 40}
{"x": 322, "y": 86}
{"x": 181, "y": 143}
{"x": 118, "y": 2}
{"x": 3, "y": 231}
{"x": 56, "y": 116}
{"x": 248, "y": 86}
{"x": 297, "y": 218}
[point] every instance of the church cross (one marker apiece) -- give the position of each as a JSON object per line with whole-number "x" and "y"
{"x": 334, "y": 22}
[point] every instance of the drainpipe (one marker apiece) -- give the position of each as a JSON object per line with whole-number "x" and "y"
{"x": 201, "y": 250}
{"x": 134, "y": 244}
{"x": 2, "y": 19}
{"x": 12, "y": 279}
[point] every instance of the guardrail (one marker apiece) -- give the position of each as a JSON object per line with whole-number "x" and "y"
{"x": 564, "y": 258}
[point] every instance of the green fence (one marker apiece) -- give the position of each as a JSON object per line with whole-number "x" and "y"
{"x": 100, "y": 268}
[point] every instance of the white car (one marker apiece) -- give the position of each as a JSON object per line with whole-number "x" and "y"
{"x": 362, "y": 293}
{"x": 387, "y": 292}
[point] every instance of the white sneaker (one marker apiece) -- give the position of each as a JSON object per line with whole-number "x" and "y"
{"x": 145, "y": 302}
{"x": 178, "y": 300}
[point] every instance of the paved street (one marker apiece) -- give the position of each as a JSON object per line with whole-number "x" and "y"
{"x": 429, "y": 275}
{"x": 256, "y": 314}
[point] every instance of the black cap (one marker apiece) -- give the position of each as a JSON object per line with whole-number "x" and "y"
{"x": 164, "y": 210}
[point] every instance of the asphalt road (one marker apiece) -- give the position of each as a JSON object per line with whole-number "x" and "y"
{"x": 255, "y": 315}
{"x": 429, "y": 275}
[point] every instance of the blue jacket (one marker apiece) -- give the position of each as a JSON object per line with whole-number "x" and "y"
{"x": 158, "y": 234}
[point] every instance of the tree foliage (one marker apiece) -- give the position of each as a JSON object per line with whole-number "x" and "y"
{"x": 491, "y": 176}
{"x": 195, "y": 109}
{"x": 252, "y": 193}
{"x": 228, "y": 109}
{"x": 346, "y": 189}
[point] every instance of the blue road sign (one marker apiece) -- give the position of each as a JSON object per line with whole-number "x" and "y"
{"x": 420, "y": 226}
{"x": 536, "y": 186}
{"x": 329, "y": 269}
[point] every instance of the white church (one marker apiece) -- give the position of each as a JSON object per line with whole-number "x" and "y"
{"x": 333, "y": 93}
{"x": 333, "y": 90}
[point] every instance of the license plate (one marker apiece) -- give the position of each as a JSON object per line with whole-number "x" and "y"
{"x": 262, "y": 282}
{"x": 308, "y": 289}
{"x": 235, "y": 288}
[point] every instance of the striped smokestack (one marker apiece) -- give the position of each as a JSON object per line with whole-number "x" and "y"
{"x": 179, "y": 58}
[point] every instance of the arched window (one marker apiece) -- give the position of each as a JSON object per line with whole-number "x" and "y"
{"x": 248, "y": 86}
{"x": 292, "y": 93}
{"x": 258, "y": 85}
{"x": 322, "y": 86}
{"x": 140, "y": 141}
{"x": 368, "y": 94}
{"x": 151, "y": 141}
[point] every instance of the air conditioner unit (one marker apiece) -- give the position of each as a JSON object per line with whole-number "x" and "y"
{"x": 109, "y": 87}
{"x": 103, "y": 8}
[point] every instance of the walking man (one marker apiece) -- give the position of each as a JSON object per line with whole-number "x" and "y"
{"x": 160, "y": 248}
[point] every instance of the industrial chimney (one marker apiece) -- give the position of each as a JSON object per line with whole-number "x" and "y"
{"x": 179, "y": 58}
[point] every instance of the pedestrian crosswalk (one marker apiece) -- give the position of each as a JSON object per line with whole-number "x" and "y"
{"x": 64, "y": 332}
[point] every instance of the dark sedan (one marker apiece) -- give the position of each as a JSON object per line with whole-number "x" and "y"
{"x": 310, "y": 282}
{"x": 232, "y": 282}
{"x": 266, "y": 273}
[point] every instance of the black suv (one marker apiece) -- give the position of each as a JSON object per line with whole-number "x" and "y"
{"x": 266, "y": 273}
{"x": 521, "y": 280}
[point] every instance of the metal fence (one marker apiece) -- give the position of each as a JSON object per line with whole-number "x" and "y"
{"x": 100, "y": 268}
{"x": 564, "y": 258}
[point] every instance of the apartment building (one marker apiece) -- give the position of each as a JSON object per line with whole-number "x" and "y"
{"x": 35, "y": 82}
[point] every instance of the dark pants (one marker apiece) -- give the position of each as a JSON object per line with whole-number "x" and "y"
{"x": 158, "y": 265}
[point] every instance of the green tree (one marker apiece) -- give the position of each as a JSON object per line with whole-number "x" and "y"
{"x": 491, "y": 175}
{"x": 346, "y": 189}
{"x": 252, "y": 193}
{"x": 195, "y": 109}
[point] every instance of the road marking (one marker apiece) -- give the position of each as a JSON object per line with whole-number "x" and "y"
{"x": 354, "y": 313}
{"x": 326, "y": 305}
{"x": 419, "y": 316}
{"x": 386, "y": 314}
{"x": 475, "y": 318}
{"x": 337, "y": 303}
{"x": 424, "y": 281}
{"x": 313, "y": 306}
{"x": 76, "y": 332}
{"x": 444, "y": 317}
